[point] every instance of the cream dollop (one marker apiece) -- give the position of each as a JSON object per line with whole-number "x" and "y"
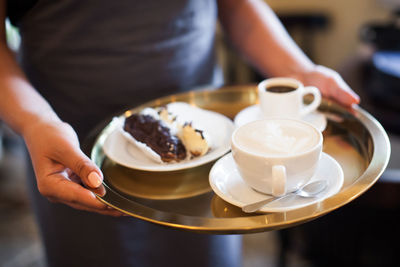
{"x": 194, "y": 140}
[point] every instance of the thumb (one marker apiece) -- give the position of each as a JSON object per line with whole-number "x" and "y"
{"x": 82, "y": 166}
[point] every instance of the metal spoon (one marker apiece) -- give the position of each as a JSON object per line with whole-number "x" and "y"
{"x": 309, "y": 190}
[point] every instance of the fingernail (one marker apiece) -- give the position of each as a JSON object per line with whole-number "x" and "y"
{"x": 94, "y": 179}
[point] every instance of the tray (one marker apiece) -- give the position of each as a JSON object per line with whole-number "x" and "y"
{"x": 183, "y": 199}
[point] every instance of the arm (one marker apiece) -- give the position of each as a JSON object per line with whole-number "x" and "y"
{"x": 257, "y": 32}
{"x": 59, "y": 163}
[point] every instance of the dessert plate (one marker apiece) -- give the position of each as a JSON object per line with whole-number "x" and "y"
{"x": 226, "y": 182}
{"x": 218, "y": 127}
{"x": 253, "y": 113}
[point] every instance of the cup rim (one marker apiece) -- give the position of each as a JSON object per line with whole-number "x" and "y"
{"x": 313, "y": 148}
{"x": 280, "y": 81}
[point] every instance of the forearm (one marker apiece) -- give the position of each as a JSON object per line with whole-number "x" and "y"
{"x": 20, "y": 104}
{"x": 256, "y": 31}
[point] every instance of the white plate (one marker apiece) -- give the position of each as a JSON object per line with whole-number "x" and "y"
{"x": 227, "y": 183}
{"x": 253, "y": 113}
{"x": 217, "y": 126}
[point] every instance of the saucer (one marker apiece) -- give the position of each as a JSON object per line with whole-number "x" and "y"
{"x": 253, "y": 113}
{"x": 226, "y": 182}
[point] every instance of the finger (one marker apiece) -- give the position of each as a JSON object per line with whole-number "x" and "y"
{"x": 74, "y": 159}
{"x": 335, "y": 87}
{"x": 58, "y": 188}
{"x": 101, "y": 190}
{"x": 344, "y": 94}
{"x": 105, "y": 211}
{"x": 347, "y": 99}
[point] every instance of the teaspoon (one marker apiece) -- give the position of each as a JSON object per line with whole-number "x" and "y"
{"x": 309, "y": 190}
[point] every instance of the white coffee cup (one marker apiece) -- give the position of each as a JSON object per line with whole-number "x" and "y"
{"x": 283, "y": 97}
{"x": 276, "y": 156}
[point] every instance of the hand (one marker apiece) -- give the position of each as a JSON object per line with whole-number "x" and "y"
{"x": 331, "y": 85}
{"x": 60, "y": 167}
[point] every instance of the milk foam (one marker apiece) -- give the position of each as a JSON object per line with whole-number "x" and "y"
{"x": 276, "y": 137}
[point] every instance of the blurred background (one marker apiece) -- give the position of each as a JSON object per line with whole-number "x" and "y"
{"x": 358, "y": 38}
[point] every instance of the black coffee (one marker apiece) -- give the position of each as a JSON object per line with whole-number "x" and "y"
{"x": 280, "y": 89}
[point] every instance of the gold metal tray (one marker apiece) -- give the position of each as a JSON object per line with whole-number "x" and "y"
{"x": 184, "y": 200}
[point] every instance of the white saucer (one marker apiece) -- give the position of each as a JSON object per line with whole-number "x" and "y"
{"x": 218, "y": 127}
{"x": 253, "y": 113}
{"x": 227, "y": 183}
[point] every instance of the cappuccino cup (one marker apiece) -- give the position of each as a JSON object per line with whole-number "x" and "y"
{"x": 283, "y": 97}
{"x": 276, "y": 156}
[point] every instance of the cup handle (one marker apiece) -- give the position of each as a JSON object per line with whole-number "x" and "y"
{"x": 278, "y": 180}
{"x": 316, "y": 102}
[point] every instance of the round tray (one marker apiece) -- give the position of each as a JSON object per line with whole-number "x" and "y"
{"x": 183, "y": 199}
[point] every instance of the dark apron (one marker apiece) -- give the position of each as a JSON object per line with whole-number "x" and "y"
{"x": 91, "y": 59}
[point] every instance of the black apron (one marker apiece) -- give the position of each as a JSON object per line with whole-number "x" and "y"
{"x": 91, "y": 59}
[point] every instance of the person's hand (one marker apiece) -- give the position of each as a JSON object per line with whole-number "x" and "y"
{"x": 331, "y": 85}
{"x": 60, "y": 167}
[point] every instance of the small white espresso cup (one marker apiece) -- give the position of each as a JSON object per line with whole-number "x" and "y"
{"x": 283, "y": 97}
{"x": 276, "y": 156}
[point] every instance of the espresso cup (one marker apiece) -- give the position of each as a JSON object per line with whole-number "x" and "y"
{"x": 283, "y": 97}
{"x": 276, "y": 156}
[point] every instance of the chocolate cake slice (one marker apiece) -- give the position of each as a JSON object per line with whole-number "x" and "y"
{"x": 156, "y": 135}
